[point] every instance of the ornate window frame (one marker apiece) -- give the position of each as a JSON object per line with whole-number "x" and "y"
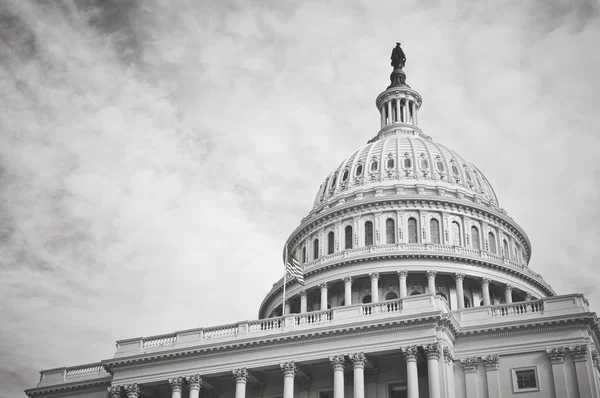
{"x": 513, "y": 372}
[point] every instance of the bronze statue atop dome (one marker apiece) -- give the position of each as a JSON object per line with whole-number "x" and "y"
{"x": 398, "y": 57}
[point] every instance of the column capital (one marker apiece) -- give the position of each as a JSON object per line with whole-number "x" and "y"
{"x": 303, "y": 382}
{"x": 302, "y": 293}
{"x": 431, "y": 274}
{"x": 114, "y": 391}
{"x": 596, "y": 360}
{"x": 556, "y": 355}
{"x": 579, "y": 352}
{"x": 508, "y": 287}
{"x": 347, "y": 280}
{"x": 491, "y": 362}
{"x": 374, "y": 275}
{"x": 176, "y": 383}
{"x": 485, "y": 281}
{"x": 448, "y": 355}
{"x": 132, "y": 390}
{"x": 410, "y": 353}
{"x": 194, "y": 381}
{"x": 240, "y": 375}
{"x": 527, "y": 296}
{"x": 323, "y": 286}
{"x": 288, "y": 369}
{"x": 459, "y": 276}
{"x": 432, "y": 351}
{"x": 358, "y": 360}
{"x": 337, "y": 362}
{"x": 469, "y": 364}
{"x": 403, "y": 273}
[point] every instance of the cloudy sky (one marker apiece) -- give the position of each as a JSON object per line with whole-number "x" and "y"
{"x": 154, "y": 155}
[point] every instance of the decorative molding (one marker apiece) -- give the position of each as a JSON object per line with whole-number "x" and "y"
{"x": 337, "y": 362}
{"x": 579, "y": 352}
{"x": 596, "y": 360}
{"x": 403, "y": 273}
{"x": 431, "y": 274}
{"x": 347, "y": 280}
{"x": 485, "y": 281}
{"x": 432, "y": 351}
{"x": 469, "y": 364}
{"x": 556, "y": 355}
{"x": 358, "y": 360}
{"x": 323, "y": 286}
{"x": 374, "y": 275}
{"x": 176, "y": 384}
{"x": 491, "y": 362}
{"x": 288, "y": 369}
{"x": 448, "y": 357}
{"x": 240, "y": 375}
{"x": 410, "y": 353}
{"x": 459, "y": 276}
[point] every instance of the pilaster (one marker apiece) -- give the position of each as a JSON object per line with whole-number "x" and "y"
{"x": 470, "y": 369}
{"x": 491, "y": 363}
{"x": 556, "y": 356}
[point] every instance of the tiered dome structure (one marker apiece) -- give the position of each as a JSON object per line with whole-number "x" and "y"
{"x": 404, "y": 210}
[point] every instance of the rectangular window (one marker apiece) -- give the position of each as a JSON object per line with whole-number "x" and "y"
{"x": 525, "y": 379}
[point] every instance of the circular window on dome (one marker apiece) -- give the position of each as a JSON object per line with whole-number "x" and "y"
{"x": 374, "y": 166}
{"x": 345, "y": 176}
{"x": 424, "y": 164}
{"x": 359, "y": 170}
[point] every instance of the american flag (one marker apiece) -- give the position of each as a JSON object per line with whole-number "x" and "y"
{"x": 292, "y": 266}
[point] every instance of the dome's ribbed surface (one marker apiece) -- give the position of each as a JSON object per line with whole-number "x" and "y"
{"x": 406, "y": 159}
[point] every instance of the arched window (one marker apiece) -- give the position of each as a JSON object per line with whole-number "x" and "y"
{"x": 407, "y": 163}
{"x": 303, "y": 255}
{"x": 330, "y": 242}
{"x": 440, "y": 166}
{"x": 413, "y": 236}
{"x": 475, "y": 243}
{"x": 434, "y": 230}
{"x": 348, "y": 237}
{"x": 368, "y": 233}
{"x": 374, "y": 166}
{"x": 345, "y": 176}
{"x": 455, "y": 233}
{"x": 492, "y": 243}
{"x": 391, "y": 296}
{"x": 366, "y": 299}
{"x": 359, "y": 170}
{"x": 390, "y": 163}
{"x": 505, "y": 246}
{"x": 390, "y": 231}
{"x": 315, "y": 248}
{"x": 515, "y": 254}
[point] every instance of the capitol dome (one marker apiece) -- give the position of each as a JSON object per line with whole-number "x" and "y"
{"x": 401, "y": 216}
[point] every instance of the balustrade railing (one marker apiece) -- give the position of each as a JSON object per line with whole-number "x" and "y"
{"x": 265, "y": 324}
{"x": 381, "y": 307}
{"x": 220, "y": 331}
{"x": 84, "y": 370}
{"x": 160, "y": 341}
{"x": 313, "y": 317}
{"x": 522, "y": 307}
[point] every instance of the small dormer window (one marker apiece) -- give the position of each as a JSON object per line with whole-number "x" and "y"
{"x": 345, "y": 176}
{"x": 390, "y": 163}
{"x": 374, "y": 166}
{"x": 359, "y": 170}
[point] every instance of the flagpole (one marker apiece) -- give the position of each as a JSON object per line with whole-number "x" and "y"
{"x": 284, "y": 279}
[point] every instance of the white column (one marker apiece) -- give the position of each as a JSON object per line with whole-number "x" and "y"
{"x": 374, "y": 286}
{"x": 405, "y": 115}
{"x": 398, "y": 119}
{"x": 382, "y": 115}
{"x": 323, "y": 287}
{"x": 492, "y": 375}
{"x": 347, "y": 290}
{"x": 358, "y": 364}
{"x": 402, "y": 274}
{"x": 431, "y": 281}
{"x": 289, "y": 371}
{"x": 287, "y": 308}
{"x": 337, "y": 363}
{"x": 460, "y": 294}
{"x": 485, "y": 290}
{"x": 470, "y": 369}
{"x": 389, "y": 109}
{"x": 557, "y": 359}
{"x": 194, "y": 382}
{"x": 176, "y": 387}
{"x": 415, "y": 113}
{"x": 303, "y": 305}
{"x": 508, "y": 294}
{"x": 133, "y": 391}
{"x": 433, "y": 369}
{"x": 449, "y": 363}
{"x": 241, "y": 378}
{"x": 412, "y": 375}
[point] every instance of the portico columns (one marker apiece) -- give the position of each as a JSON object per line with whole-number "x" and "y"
{"x": 485, "y": 290}
{"x": 460, "y": 295}
{"x": 398, "y": 118}
{"x": 194, "y": 382}
{"x": 176, "y": 386}
{"x": 374, "y": 286}
{"x": 358, "y": 364}
{"x": 431, "y": 281}
{"x": 389, "y": 109}
{"x": 433, "y": 369}
{"x": 347, "y": 290}
{"x": 323, "y": 287}
{"x": 402, "y": 274}
{"x": 337, "y": 363}
{"x": 241, "y": 378}
{"x": 289, "y": 371}
{"x": 412, "y": 376}
{"x": 557, "y": 359}
{"x": 303, "y": 305}
{"x": 508, "y": 294}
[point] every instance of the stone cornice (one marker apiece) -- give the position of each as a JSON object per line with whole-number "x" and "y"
{"x": 102, "y": 383}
